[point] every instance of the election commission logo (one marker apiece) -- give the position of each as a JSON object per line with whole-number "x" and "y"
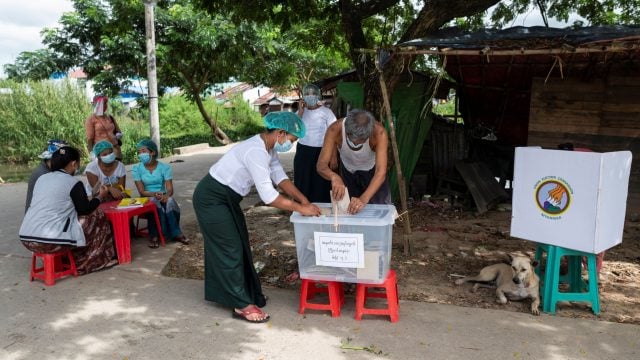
{"x": 553, "y": 196}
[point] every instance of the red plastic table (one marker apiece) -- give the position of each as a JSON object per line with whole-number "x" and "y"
{"x": 119, "y": 218}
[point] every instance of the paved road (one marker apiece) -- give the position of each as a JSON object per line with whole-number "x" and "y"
{"x": 133, "y": 312}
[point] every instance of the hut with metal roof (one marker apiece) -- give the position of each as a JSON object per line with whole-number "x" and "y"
{"x": 537, "y": 86}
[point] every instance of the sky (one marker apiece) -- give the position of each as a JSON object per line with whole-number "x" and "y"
{"x": 22, "y": 20}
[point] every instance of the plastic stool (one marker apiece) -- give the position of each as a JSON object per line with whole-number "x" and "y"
{"x": 333, "y": 289}
{"x": 577, "y": 286}
{"x": 390, "y": 285}
{"x": 53, "y": 267}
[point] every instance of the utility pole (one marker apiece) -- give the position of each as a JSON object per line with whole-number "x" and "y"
{"x": 152, "y": 81}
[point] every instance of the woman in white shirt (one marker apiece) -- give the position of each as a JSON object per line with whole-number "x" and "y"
{"x": 106, "y": 170}
{"x": 316, "y": 118}
{"x": 230, "y": 278}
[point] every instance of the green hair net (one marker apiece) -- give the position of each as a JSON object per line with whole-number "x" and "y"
{"x": 101, "y": 146}
{"x": 149, "y": 144}
{"x": 287, "y": 121}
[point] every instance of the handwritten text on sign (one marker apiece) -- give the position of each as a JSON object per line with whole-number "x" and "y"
{"x": 339, "y": 249}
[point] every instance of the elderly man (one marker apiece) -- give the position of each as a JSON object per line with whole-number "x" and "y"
{"x": 362, "y": 144}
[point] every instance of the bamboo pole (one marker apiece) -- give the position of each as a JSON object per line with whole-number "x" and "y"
{"x": 396, "y": 156}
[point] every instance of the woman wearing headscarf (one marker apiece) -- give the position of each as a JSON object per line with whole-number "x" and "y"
{"x": 154, "y": 179}
{"x": 43, "y": 168}
{"x": 230, "y": 278}
{"x": 62, "y": 217}
{"x": 102, "y": 126}
{"x": 106, "y": 170}
{"x": 317, "y": 118}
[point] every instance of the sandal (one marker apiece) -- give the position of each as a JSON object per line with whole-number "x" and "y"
{"x": 153, "y": 242}
{"x": 181, "y": 239}
{"x": 249, "y": 310}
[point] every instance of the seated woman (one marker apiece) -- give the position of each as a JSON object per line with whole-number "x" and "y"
{"x": 61, "y": 216}
{"x": 154, "y": 179}
{"x": 106, "y": 170}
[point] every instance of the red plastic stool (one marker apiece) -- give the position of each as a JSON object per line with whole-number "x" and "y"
{"x": 52, "y": 268}
{"x": 390, "y": 286}
{"x": 309, "y": 290}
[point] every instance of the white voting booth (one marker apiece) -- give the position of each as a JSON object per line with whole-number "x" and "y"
{"x": 571, "y": 199}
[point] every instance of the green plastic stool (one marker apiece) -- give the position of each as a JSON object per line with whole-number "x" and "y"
{"x": 549, "y": 288}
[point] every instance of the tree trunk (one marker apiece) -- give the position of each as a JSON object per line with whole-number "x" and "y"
{"x": 215, "y": 130}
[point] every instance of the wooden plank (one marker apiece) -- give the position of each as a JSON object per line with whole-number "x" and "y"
{"x": 621, "y": 120}
{"x": 566, "y": 104}
{"x": 560, "y": 85}
{"x": 484, "y": 188}
{"x": 620, "y": 106}
{"x": 623, "y": 81}
{"x": 555, "y": 115}
{"x": 565, "y": 128}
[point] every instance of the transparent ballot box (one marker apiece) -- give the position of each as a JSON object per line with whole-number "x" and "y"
{"x": 347, "y": 248}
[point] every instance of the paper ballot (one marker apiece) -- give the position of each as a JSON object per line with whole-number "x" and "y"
{"x": 340, "y": 207}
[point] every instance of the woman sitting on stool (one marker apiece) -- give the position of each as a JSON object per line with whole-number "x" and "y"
{"x": 61, "y": 217}
{"x": 106, "y": 170}
{"x": 154, "y": 179}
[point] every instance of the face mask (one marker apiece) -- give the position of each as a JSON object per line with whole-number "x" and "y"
{"x": 354, "y": 146}
{"x": 286, "y": 146}
{"x": 311, "y": 100}
{"x": 108, "y": 159}
{"x": 76, "y": 172}
{"x": 145, "y": 158}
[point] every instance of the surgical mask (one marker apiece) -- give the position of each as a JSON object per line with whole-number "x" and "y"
{"x": 108, "y": 159}
{"x": 145, "y": 158}
{"x": 354, "y": 146}
{"x": 284, "y": 147}
{"x": 311, "y": 100}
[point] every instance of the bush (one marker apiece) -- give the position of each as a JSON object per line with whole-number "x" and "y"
{"x": 34, "y": 112}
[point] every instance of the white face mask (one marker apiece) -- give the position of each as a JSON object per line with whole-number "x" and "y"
{"x": 311, "y": 100}
{"x": 284, "y": 147}
{"x": 353, "y": 145}
{"x": 108, "y": 159}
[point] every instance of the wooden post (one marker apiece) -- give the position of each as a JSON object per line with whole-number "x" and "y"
{"x": 396, "y": 156}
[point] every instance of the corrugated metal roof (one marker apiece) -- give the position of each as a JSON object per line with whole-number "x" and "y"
{"x": 536, "y": 37}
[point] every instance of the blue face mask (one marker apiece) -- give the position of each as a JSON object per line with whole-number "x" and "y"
{"x": 284, "y": 147}
{"x": 354, "y": 146}
{"x": 108, "y": 159}
{"x": 311, "y": 100}
{"x": 145, "y": 158}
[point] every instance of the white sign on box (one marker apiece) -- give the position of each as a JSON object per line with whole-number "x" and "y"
{"x": 571, "y": 199}
{"x": 339, "y": 249}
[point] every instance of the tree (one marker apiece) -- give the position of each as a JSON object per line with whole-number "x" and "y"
{"x": 32, "y": 65}
{"x": 382, "y": 23}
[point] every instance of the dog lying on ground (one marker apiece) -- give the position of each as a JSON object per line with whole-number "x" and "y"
{"x": 515, "y": 282}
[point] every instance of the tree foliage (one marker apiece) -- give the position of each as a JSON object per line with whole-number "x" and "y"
{"x": 194, "y": 49}
{"x": 274, "y": 42}
{"x": 380, "y": 23}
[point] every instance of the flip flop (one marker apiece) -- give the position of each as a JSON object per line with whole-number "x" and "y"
{"x": 153, "y": 243}
{"x": 243, "y": 315}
